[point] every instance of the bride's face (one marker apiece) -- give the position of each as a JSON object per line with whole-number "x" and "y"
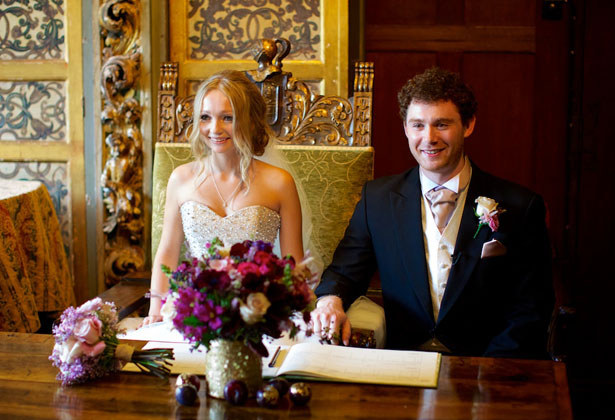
{"x": 216, "y": 122}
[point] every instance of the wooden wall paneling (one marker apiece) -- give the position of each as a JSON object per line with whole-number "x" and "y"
{"x": 388, "y": 138}
{"x": 590, "y": 200}
{"x": 400, "y": 12}
{"x": 551, "y": 136}
{"x": 502, "y": 142}
{"x": 502, "y": 12}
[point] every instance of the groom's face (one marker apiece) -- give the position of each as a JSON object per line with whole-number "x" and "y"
{"x": 436, "y": 136}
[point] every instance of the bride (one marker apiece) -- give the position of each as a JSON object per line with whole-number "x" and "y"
{"x": 226, "y": 192}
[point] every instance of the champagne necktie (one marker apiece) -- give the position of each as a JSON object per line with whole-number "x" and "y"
{"x": 442, "y": 202}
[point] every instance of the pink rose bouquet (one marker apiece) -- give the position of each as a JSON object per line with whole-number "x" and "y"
{"x": 242, "y": 293}
{"x": 87, "y": 346}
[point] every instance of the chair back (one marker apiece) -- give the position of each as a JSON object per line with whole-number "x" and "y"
{"x": 325, "y": 139}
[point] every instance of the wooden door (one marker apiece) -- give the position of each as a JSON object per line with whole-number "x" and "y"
{"x": 41, "y": 123}
{"x": 516, "y": 60}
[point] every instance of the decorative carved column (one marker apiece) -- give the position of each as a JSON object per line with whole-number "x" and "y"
{"x": 122, "y": 176}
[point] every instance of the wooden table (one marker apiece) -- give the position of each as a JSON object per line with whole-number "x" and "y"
{"x": 476, "y": 388}
{"x": 34, "y": 272}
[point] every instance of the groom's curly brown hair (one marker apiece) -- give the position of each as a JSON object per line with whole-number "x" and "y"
{"x": 436, "y": 84}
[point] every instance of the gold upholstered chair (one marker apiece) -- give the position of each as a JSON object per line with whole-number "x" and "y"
{"x": 325, "y": 139}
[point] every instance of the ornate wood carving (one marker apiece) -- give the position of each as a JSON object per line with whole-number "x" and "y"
{"x": 122, "y": 176}
{"x": 295, "y": 114}
{"x": 363, "y": 84}
{"x": 315, "y": 119}
{"x": 166, "y": 102}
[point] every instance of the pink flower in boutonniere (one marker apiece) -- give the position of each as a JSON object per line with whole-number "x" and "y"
{"x": 488, "y": 213}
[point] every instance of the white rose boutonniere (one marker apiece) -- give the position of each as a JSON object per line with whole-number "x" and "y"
{"x": 488, "y": 212}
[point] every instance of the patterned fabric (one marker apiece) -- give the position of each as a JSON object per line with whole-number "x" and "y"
{"x": 331, "y": 176}
{"x": 202, "y": 224}
{"x": 34, "y": 272}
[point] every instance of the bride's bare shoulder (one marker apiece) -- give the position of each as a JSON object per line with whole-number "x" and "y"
{"x": 275, "y": 176}
{"x": 184, "y": 173}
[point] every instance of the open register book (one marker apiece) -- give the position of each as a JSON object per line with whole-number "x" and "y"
{"x": 314, "y": 361}
{"x": 307, "y": 359}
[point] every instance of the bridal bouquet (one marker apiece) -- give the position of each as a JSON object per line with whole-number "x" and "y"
{"x": 239, "y": 293}
{"x": 87, "y": 346}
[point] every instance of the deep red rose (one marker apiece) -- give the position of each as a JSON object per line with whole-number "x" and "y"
{"x": 239, "y": 250}
{"x": 262, "y": 257}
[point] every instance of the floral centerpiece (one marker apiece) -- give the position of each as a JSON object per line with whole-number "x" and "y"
{"x": 87, "y": 347}
{"x": 238, "y": 295}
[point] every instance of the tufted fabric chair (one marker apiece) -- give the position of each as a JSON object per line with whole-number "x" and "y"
{"x": 332, "y": 177}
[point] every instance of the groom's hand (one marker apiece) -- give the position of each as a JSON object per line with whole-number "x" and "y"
{"x": 330, "y": 321}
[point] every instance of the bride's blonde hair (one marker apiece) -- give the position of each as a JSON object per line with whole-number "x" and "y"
{"x": 251, "y": 133}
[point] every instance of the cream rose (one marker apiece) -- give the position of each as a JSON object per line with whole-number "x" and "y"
{"x": 254, "y": 309}
{"x": 69, "y": 350}
{"x": 485, "y": 205}
{"x": 168, "y": 311}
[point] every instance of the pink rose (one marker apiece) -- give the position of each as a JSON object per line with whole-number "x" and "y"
{"x": 90, "y": 306}
{"x": 219, "y": 265}
{"x": 94, "y": 350}
{"x": 88, "y": 330}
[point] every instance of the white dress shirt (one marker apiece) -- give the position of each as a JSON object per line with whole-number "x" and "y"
{"x": 439, "y": 247}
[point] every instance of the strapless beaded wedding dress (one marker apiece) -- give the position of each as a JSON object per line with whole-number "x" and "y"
{"x": 201, "y": 224}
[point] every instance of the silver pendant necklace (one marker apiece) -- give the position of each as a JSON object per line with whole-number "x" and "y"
{"x": 231, "y": 197}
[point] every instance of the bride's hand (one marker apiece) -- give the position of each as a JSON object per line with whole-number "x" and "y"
{"x": 150, "y": 320}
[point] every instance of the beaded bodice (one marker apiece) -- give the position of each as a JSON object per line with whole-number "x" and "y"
{"x": 201, "y": 224}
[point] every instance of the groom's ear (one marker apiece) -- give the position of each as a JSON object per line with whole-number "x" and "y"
{"x": 469, "y": 128}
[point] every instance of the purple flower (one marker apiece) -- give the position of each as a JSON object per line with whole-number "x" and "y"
{"x": 208, "y": 313}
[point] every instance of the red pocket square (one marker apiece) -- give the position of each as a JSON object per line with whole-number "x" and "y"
{"x": 493, "y": 248}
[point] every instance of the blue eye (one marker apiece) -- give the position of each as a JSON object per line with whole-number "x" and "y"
{"x": 228, "y": 118}
{"x": 205, "y": 117}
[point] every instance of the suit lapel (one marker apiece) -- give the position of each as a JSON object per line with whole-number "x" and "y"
{"x": 406, "y": 214}
{"x": 467, "y": 248}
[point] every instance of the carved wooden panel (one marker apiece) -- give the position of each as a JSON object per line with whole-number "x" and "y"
{"x": 41, "y": 115}
{"x": 33, "y": 110}
{"x": 32, "y": 30}
{"x": 206, "y": 36}
{"x": 296, "y": 114}
{"x": 227, "y": 30}
{"x": 122, "y": 176}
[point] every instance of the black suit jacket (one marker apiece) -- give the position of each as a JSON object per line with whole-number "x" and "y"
{"x": 496, "y": 306}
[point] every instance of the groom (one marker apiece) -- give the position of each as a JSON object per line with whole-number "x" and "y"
{"x": 451, "y": 281}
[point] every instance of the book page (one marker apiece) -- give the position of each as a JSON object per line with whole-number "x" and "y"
{"x": 348, "y": 364}
{"x": 158, "y": 331}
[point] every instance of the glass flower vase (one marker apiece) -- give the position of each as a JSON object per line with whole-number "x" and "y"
{"x": 228, "y": 360}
